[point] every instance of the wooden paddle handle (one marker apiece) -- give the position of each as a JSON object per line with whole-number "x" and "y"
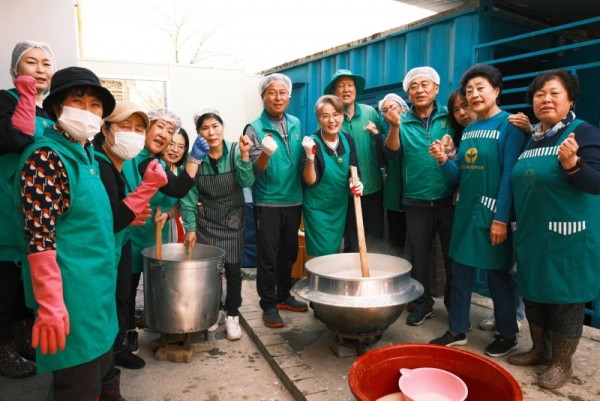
{"x": 360, "y": 228}
{"x": 158, "y": 234}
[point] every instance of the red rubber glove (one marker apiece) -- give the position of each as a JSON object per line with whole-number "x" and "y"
{"x": 140, "y": 218}
{"x": 51, "y": 325}
{"x": 23, "y": 118}
{"x": 154, "y": 178}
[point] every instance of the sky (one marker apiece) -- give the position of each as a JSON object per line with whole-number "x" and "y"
{"x": 252, "y": 35}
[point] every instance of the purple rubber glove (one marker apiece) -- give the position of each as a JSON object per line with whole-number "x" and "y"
{"x": 199, "y": 150}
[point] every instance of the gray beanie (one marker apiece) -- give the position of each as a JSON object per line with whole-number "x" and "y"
{"x": 23, "y": 47}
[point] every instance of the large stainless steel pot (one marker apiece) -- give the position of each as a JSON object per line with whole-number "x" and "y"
{"x": 182, "y": 293}
{"x": 349, "y": 303}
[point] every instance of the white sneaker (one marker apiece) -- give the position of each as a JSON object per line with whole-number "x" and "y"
{"x": 232, "y": 325}
{"x": 489, "y": 324}
{"x": 220, "y": 320}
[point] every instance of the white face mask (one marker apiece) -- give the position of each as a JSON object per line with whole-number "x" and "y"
{"x": 127, "y": 144}
{"x": 79, "y": 124}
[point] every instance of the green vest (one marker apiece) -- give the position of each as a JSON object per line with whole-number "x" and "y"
{"x": 281, "y": 182}
{"x": 325, "y": 204}
{"x": 480, "y": 175}
{"x": 365, "y": 145}
{"x": 10, "y": 249}
{"x": 422, "y": 178}
{"x": 85, "y": 254}
{"x": 557, "y": 236}
{"x": 145, "y": 236}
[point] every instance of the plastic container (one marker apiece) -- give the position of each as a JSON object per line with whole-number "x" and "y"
{"x": 431, "y": 384}
{"x": 376, "y": 373}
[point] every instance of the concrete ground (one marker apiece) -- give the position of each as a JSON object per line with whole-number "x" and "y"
{"x": 297, "y": 362}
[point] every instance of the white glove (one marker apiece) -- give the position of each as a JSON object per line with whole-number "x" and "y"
{"x": 309, "y": 147}
{"x": 269, "y": 146}
{"x": 449, "y": 147}
{"x": 356, "y": 188}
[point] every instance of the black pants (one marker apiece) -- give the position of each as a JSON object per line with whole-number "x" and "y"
{"x": 123, "y": 292}
{"x": 372, "y": 213}
{"x": 82, "y": 382}
{"x": 277, "y": 248}
{"x": 233, "y": 298}
{"x": 422, "y": 223}
{"x": 12, "y": 300}
{"x": 396, "y": 231}
{"x": 135, "y": 281}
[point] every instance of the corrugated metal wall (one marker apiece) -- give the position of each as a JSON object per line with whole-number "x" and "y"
{"x": 445, "y": 44}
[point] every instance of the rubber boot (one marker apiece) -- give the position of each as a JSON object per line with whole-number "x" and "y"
{"x": 538, "y": 354}
{"x": 14, "y": 365}
{"x": 22, "y": 339}
{"x": 111, "y": 389}
{"x": 560, "y": 369}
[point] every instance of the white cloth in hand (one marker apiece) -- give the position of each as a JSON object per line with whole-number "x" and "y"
{"x": 309, "y": 147}
{"x": 269, "y": 146}
{"x": 356, "y": 188}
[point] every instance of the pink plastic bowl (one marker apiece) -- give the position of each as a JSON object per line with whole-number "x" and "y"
{"x": 431, "y": 384}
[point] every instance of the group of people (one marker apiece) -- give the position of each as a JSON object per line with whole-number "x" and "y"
{"x": 86, "y": 178}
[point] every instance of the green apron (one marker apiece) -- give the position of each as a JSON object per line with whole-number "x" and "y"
{"x": 325, "y": 204}
{"x": 124, "y": 235}
{"x": 10, "y": 248}
{"x": 557, "y": 238}
{"x": 145, "y": 236}
{"x": 481, "y": 172}
{"x": 85, "y": 248}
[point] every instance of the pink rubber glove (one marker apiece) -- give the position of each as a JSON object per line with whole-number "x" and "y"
{"x": 154, "y": 178}
{"x": 23, "y": 118}
{"x": 51, "y": 325}
{"x": 140, "y": 218}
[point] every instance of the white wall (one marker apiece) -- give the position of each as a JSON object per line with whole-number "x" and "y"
{"x": 51, "y": 21}
{"x": 189, "y": 88}
{"x": 233, "y": 92}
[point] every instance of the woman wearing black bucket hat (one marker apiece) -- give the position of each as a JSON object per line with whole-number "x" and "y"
{"x": 70, "y": 276}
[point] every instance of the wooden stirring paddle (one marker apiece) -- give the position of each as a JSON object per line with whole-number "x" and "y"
{"x": 360, "y": 228}
{"x": 159, "y": 227}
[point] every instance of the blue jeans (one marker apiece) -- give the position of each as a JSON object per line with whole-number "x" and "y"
{"x": 249, "y": 258}
{"x": 502, "y": 293}
{"x": 518, "y": 299}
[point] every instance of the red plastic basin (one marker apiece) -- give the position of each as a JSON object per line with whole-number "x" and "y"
{"x": 376, "y": 373}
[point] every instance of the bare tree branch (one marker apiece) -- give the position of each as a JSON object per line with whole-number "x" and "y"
{"x": 178, "y": 25}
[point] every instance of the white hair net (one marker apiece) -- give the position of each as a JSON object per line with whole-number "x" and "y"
{"x": 203, "y": 111}
{"x": 23, "y": 47}
{"x": 427, "y": 72}
{"x": 166, "y": 115}
{"x": 269, "y": 79}
{"x": 395, "y": 98}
